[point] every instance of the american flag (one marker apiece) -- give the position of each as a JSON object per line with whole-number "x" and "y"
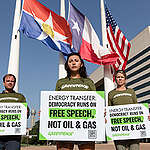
{"x": 117, "y": 41}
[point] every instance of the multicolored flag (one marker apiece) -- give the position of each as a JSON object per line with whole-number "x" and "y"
{"x": 117, "y": 41}
{"x": 38, "y": 22}
{"x": 85, "y": 40}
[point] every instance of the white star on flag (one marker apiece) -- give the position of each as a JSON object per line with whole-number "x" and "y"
{"x": 76, "y": 26}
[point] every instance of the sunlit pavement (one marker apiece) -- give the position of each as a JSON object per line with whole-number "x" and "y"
{"x": 109, "y": 146}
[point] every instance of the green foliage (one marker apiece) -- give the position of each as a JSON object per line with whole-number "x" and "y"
{"x": 33, "y": 138}
{"x": 24, "y": 140}
{"x": 35, "y": 128}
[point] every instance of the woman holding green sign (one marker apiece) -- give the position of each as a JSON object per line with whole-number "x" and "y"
{"x": 76, "y": 80}
{"x": 121, "y": 96}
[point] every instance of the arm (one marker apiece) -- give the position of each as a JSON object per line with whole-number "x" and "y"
{"x": 23, "y": 99}
{"x": 57, "y": 86}
{"x": 28, "y": 112}
{"x": 109, "y": 99}
{"x": 134, "y": 97}
{"x": 92, "y": 85}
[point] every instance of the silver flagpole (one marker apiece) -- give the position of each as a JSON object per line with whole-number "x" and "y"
{"x": 62, "y": 71}
{"x": 13, "y": 66}
{"x": 108, "y": 77}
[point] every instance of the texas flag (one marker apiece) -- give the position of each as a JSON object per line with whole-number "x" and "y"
{"x": 38, "y": 22}
{"x": 85, "y": 40}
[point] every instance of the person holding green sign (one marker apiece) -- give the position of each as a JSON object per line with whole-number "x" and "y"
{"x": 11, "y": 142}
{"x": 122, "y": 96}
{"x": 76, "y": 80}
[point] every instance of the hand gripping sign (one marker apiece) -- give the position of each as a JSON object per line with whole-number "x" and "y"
{"x": 13, "y": 118}
{"x": 128, "y": 122}
{"x": 72, "y": 116}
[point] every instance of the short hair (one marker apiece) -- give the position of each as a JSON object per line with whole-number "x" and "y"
{"x": 9, "y": 76}
{"x": 82, "y": 70}
{"x": 122, "y": 72}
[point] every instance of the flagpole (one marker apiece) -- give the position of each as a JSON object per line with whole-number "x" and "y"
{"x": 62, "y": 71}
{"x": 108, "y": 77}
{"x": 13, "y": 66}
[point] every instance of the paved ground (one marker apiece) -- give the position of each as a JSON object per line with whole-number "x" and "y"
{"x": 110, "y": 146}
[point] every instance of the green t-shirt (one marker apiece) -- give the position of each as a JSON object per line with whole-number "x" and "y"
{"x": 127, "y": 96}
{"x": 78, "y": 84}
{"x": 12, "y": 97}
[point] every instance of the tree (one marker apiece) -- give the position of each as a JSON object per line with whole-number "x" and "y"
{"x": 34, "y": 140}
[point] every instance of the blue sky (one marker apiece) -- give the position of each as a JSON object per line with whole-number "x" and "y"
{"x": 38, "y": 64}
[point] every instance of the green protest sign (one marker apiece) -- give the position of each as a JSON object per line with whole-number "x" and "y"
{"x": 73, "y": 115}
{"x": 13, "y": 118}
{"x": 128, "y": 122}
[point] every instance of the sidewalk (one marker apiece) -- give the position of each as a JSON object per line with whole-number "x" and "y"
{"x": 109, "y": 146}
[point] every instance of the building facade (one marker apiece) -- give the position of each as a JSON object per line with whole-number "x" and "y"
{"x": 138, "y": 67}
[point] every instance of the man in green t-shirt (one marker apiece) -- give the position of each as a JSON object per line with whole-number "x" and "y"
{"x": 11, "y": 142}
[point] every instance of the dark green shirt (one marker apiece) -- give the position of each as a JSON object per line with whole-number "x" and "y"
{"x": 127, "y": 96}
{"x": 12, "y": 97}
{"x": 78, "y": 84}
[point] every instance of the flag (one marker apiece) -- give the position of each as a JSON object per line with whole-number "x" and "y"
{"x": 117, "y": 41}
{"x": 38, "y": 22}
{"x": 85, "y": 40}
